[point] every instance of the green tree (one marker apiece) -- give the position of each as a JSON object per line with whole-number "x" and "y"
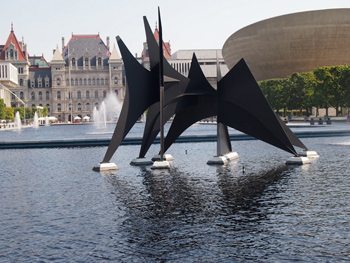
{"x": 2, "y": 109}
{"x": 9, "y": 113}
{"x": 323, "y": 90}
{"x": 274, "y": 91}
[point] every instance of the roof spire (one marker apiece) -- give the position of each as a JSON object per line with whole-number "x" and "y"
{"x": 11, "y": 26}
{"x": 156, "y": 26}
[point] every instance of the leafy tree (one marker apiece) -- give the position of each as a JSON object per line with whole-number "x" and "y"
{"x": 2, "y": 109}
{"x": 9, "y": 113}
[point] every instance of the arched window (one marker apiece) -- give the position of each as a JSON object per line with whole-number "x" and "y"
{"x": 21, "y": 95}
{"x": 99, "y": 62}
{"x": 98, "y": 81}
{"x": 85, "y": 82}
{"x": 58, "y": 81}
{"x": 80, "y": 81}
{"x": 96, "y": 94}
{"x": 47, "y": 95}
{"x": 79, "y": 106}
{"x": 72, "y": 81}
{"x": 76, "y": 82}
{"x": 104, "y": 94}
{"x": 102, "y": 81}
{"x": 58, "y": 95}
{"x": 33, "y": 95}
{"x": 89, "y": 81}
{"x": 59, "y": 107}
{"x": 93, "y": 81}
{"x": 40, "y": 95}
{"x": 21, "y": 82}
{"x": 87, "y": 94}
{"x": 48, "y": 107}
{"x": 79, "y": 94}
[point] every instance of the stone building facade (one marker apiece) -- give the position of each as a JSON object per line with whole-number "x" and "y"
{"x": 83, "y": 76}
{"x": 72, "y": 84}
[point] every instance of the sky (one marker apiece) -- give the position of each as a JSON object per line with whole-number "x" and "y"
{"x": 188, "y": 24}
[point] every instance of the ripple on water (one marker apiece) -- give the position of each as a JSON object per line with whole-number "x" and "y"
{"x": 54, "y": 208}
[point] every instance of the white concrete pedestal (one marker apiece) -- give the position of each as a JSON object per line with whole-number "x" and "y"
{"x": 231, "y": 155}
{"x": 105, "y": 167}
{"x": 310, "y": 154}
{"x": 298, "y": 160}
{"x": 223, "y": 159}
{"x": 141, "y": 162}
{"x": 160, "y": 165}
{"x": 166, "y": 157}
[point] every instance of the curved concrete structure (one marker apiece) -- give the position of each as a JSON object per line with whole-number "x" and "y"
{"x": 299, "y": 42}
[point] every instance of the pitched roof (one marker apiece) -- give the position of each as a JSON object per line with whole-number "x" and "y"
{"x": 57, "y": 56}
{"x": 12, "y": 39}
{"x": 92, "y": 46}
{"x": 114, "y": 55}
{"x": 38, "y": 61}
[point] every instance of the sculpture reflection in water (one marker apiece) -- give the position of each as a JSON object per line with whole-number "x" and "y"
{"x": 237, "y": 102}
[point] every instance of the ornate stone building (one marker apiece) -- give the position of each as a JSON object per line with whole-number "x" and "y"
{"x": 83, "y": 76}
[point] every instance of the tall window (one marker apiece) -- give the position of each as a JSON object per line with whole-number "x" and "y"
{"x": 59, "y": 107}
{"x": 40, "y": 95}
{"x": 48, "y": 107}
{"x": 104, "y": 94}
{"x": 73, "y": 62}
{"x": 33, "y": 95}
{"x": 87, "y": 94}
{"x": 32, "y": 83}
{"x": 89, "y": 81}
{"x": 98, "y": 81}
{"x": 85, "y": 82}
{"x": 21, "y": 95}
{"x": 58, "y": 81}
{"x": 40, "y": 83}
{"x": 21, "y": 82}
{"x": 93, "y": 81}
{"x": 86, "y": 62}
{"x": 79, "y": 106}
{"x": 115, "y": 80}
{"x": 96, "y": 94}
{"x": 47, "y": 95}
{"x": 80, "y": 82}
{"x": 58, "y": 95}
{"x": 99, "y": 62}
{"x": 87, "y": 106}
{"x": 79, "y": 94}
{"x": 47, "y": 82}
{"x": 76, "y": 82}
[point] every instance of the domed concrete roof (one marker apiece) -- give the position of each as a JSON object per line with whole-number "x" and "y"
{"x": 299, "y": 42}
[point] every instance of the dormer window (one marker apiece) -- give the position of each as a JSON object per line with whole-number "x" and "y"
{"x": 47, "y": 82}
{"x": 73, "y": 63}
{"x": 32, "y": 83}
{"x": 40, "y": 83}
{"x": 86, "y": 63}
{"x": 99, "y": 62}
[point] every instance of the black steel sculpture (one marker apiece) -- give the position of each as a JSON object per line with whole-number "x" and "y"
{"x": 238, "y": 102}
